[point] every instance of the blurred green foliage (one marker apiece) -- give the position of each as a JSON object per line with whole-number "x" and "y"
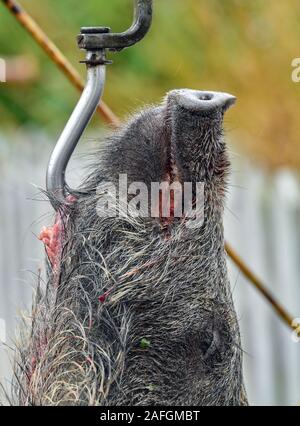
{"x": 243, "y": 47}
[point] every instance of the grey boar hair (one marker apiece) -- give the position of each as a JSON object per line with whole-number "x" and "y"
{"x": 140, "y": 311}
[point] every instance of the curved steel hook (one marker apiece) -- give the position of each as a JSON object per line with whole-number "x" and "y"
{"x": 96, "y": 40}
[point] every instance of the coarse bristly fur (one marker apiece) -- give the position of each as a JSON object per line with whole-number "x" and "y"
{"x": 140, "y": 311}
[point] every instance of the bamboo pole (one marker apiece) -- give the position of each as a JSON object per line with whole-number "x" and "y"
{"x": 260, "y": 286}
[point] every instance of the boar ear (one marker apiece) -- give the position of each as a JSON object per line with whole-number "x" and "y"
{"x": 200, "y": 101}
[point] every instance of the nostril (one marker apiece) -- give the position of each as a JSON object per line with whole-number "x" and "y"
{"x": 206, "y": 97}
{"x": 201, "y": 101}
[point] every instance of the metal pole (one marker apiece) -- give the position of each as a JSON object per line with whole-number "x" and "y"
{"x": 84, "y": 110}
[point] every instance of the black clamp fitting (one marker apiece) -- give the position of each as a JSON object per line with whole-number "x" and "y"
{"x": 100, "y": 39}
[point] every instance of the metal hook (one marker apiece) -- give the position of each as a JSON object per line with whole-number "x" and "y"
{"x": 95, "y": 40}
